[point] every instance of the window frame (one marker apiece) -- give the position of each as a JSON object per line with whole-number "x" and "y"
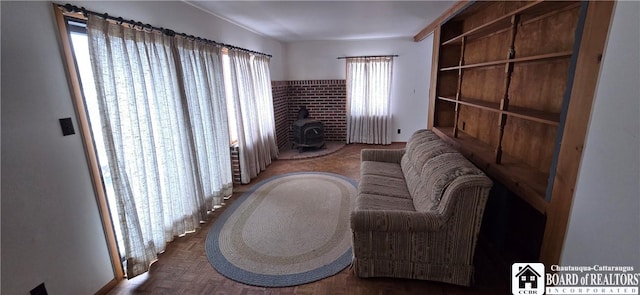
{"x": 75, "y": 88}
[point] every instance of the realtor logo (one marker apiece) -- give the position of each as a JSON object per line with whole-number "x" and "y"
{"x": 527, "y": 278}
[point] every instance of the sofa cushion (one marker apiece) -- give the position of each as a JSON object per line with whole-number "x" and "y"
{"x": 381, "y": 169}
{"x": 424, "y": 134}
{"x": 378, "y": 202}
{"x": 384, "y": 186}
{"x": 427, "y": 150}
{"x": 423, "y": 145}
{"x": 437, "y": 173}
{"x": 412, "y": 163}
{"x": 418, "y": 138}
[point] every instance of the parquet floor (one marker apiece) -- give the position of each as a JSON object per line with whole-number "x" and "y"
{"x": 184, "y": 269}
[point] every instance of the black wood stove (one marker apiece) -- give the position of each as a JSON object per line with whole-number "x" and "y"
{"x": 307, "y": 132}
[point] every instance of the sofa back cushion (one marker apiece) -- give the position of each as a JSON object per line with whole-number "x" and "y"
{"x": 420, "y": 142}
{"x": 421, "y": 147}
{"x": 419, "y": 137}
{"x": 437, "y": 173}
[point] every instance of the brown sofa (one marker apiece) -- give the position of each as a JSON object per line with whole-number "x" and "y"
{"x": 418, "y": 212}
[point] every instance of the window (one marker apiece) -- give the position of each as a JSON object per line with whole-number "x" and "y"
{"x": 80, "y": 45}
{"x": 369, "y": 99}
{"x": 163, "y": 160}
{"x": 162, "y": 163}
{"x": 231, "y": 111}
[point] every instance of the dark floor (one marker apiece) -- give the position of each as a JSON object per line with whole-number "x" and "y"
{"x": 184, "y": 269}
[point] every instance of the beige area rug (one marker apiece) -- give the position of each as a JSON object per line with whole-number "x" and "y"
{"x": 287, "y": 230}
{"x": 287, "y": 153}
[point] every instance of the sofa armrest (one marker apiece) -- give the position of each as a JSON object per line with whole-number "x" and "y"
{"x": 394, "y": 221}
{"x": 382, "y": 155}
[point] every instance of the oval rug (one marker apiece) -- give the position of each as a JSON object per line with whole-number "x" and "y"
{"x": 287, "y": 230}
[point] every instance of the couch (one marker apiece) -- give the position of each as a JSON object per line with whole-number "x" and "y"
{"x": 418, "y": 212}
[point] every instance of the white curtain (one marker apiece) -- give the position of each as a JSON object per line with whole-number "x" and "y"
{"x": 203, "y": 81}
{"x": 253, "y": 106}
{"x": 166, "y": 172}
{"x": 369, "y": 103}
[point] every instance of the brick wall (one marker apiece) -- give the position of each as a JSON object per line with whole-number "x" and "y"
{"x": 325, "y": 100}
{"x": 280, "y": 111}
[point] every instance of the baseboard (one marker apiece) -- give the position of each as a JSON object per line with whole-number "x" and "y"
{"x": 108, "y": 287}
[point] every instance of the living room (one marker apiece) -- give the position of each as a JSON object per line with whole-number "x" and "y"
{"x": 52, "y": 230}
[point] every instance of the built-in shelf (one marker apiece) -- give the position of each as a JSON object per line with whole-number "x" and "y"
{"x": 490, "y": 60}
{"x": 530, "y": 11}
{"x": 524, "y": 180}
{"x": 548, "y": 118}
{"x": 563, "y": 54}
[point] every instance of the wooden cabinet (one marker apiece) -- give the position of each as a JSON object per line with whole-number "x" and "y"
{"x": 502, "y": 90}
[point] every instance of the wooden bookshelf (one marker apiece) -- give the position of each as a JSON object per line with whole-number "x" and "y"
{"x": 512, "y": 104}
{"x": 512, "y": 84}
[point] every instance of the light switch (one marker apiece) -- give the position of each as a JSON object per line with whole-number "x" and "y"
{"x": 67, "y": 126}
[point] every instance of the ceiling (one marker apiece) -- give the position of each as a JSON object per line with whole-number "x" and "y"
{"x": 289, "y": 21}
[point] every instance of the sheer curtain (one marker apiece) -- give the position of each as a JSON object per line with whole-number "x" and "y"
{"x": 253, "y": 105}
{"x": 165, "y": 172}
{"x": 369, "y": 91}
{"x": 205, "y": 99}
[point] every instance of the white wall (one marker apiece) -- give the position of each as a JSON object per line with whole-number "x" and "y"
{"x": 51, "y": 229}
{"x": 316, "y": 60}
{"x": 604, "y": 226}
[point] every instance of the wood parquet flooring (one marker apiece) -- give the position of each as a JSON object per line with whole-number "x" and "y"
{"x": 184, "y": 269}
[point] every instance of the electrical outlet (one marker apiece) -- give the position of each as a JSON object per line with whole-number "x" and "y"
{"x": 399, "y": 131}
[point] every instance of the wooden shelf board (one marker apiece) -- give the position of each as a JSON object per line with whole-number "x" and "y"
{"x": 530, "y": 11}
{"x": 554, "y": 7}
{"x": 547, "y": 8}
{"x": 494, "y": 25}
{"x": 485, "y": 105}
{"x": 548, "y": 118}
{"x": 532, "y": 18}
{"x": 513, "y": 60}
{"x": 524, "y": 180}
{"x": 534, "y": 115}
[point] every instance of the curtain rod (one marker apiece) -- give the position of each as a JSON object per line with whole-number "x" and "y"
{"x": 168, "y": 32}
{"x": 367, "y": 56}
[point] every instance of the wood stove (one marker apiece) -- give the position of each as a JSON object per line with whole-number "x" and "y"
{"x": 307, "y": 132}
